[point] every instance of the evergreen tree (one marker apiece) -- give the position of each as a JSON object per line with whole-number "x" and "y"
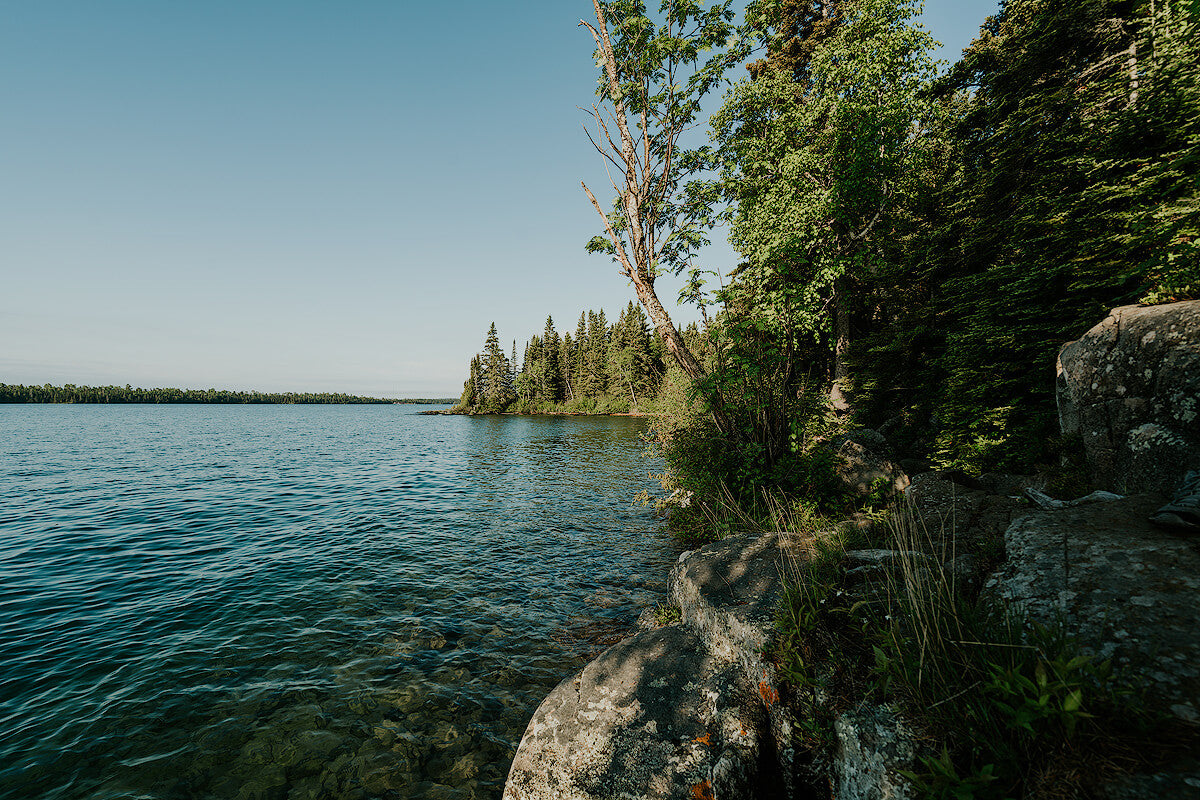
{"x": 525, "y": 385}
{"x": 597, "y": 354}
{"x": 471, "y": 395}
{"x": 581, "y": 359}
{"x": 647, "y": 372}
{"x": 497, "y": 389}
{"x": 552, "y": 381}
{"x": 1074, "y": 189}
{"x": 566, "y": 358}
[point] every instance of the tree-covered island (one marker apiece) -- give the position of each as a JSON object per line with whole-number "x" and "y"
{"x": 916, "y": 245}
{"x": 602, "y": 369}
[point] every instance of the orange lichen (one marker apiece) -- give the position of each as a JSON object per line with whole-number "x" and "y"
{"x": 702, "y": 791}
{"x": 768, "y": 693}
{"x": 706, "y": 739}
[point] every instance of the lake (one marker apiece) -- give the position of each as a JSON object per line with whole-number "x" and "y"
{"x": 303, "y": 601}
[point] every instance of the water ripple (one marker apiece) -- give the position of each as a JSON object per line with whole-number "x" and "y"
{"x": 302, "y": 602}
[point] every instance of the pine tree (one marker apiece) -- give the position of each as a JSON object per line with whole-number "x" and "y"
{"x": 566, "y": 361}
{"x": 637, "y": 334}
{"x": 471, "y": 394}
{"x": 597, "y": 354}
{"x": 581, "y": 360}
{"x": 497, "y": 391}
{"x": 552, "y": 382}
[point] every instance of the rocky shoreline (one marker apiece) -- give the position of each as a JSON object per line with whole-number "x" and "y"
{"x": 696, "y": 710}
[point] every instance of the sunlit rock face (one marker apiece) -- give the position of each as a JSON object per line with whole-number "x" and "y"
{"x": 693, "y": 709}
{"x": 1130, "y": 387}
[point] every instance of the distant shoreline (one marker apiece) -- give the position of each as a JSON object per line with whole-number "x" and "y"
{"x": 70, "y": 394}
{"x": 460, "y": 413}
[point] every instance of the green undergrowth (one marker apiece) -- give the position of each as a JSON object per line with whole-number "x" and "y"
{"x": 1003, "y": 708}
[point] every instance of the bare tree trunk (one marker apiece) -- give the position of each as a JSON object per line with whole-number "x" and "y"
{"x": 637, "y": 195}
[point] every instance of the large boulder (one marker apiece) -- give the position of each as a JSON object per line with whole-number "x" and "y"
{"x": 686, "y": 711}
{"x": 1130, "y": 387}
{"x": 656, "y": 716}
{"x": 694, "y": 710}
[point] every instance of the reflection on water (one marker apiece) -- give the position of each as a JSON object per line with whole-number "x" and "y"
{"x": 302, "y": 602}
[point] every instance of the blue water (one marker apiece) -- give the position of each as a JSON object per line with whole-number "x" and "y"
{"x": 303, "y": 601}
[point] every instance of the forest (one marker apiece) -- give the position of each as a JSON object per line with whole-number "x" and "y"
{"x": 916, "y": 242}
{"x": 601, "y": 369}
{"x": 70, "y": 393}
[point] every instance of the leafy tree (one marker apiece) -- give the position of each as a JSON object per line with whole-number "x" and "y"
{"x": 654, "y": 77}
{"x": 814, "y": 148}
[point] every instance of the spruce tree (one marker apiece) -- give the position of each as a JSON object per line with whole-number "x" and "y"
{"x": 497, "y": 391}
{"x": 581, "y": 365}
{"x": 566, "y": 361}
{"x": 552, "y": 382}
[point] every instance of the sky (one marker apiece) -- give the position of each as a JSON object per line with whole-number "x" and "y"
{"x": 301, "y": 195}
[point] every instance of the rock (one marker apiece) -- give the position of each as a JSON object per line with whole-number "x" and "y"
{"x": 656, "y": 716}
{"x": 862, "y": 462}
{"x": 1183, "y": 785}
{"x": 728, "y": 593}
{"x": 944, "y": 511}
{"x": 1043, "y": 500}
{"x": 880, "y": 567}
{"x": 1124, "y": 587}
{"x": 962, "y": 479}
{"x": 1130, "y": 387}
{"x": 873, "y": 747}
{"x": 693, "y": 710}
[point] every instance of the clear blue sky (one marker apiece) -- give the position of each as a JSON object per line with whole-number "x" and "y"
{"x": 301, "y": 195}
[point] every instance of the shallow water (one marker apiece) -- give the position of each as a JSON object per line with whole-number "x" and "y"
{"x": 302, "y": 601}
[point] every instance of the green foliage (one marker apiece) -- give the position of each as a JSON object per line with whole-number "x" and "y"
{"x": 663, "y": 66}
{"x": 941, "y": 779}
{"x": 602, "y": 369}
{"x": 1004, "y": 696}
{"x": 667, "y": 615}
{"x": 1064, "y": 183}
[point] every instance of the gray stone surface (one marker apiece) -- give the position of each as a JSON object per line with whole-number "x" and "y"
{"x": 874, "y": 746}
{"x": 1127, "y": 588}
{"x": 863, "y": 462}
{"x": 728, "y": 592}
{"x": 694, "y": 710}
{"x": 1184, "y": 785}
{"x": 1130, "y": 387}
{"x": 655, "y": 716}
